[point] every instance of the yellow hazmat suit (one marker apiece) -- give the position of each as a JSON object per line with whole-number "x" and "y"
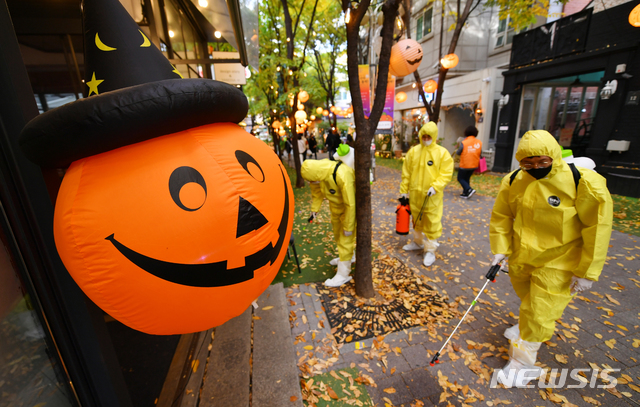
{"x": 341, "y": 195}
{"x": 550, "y": 230}
{"x": 425, "y": 167}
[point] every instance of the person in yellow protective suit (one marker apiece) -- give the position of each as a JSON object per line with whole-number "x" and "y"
{"x": 554, "y": 224}
{"x": 427, "y": 169}
{"x": 335, "y": 181}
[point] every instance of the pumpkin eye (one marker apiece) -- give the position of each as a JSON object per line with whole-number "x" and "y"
{"x": 184, "y": 190}
{"x": 250, "y": 165}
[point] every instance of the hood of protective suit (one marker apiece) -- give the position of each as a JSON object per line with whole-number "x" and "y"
{"x": 431, "y": 129}
{"x": 317, "y": 170}
{"x": 539, "y": 142}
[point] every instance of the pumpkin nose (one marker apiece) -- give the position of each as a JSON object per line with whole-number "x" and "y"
{"x": 249, "y": 218}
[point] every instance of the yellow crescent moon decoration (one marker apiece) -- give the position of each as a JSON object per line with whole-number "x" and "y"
{"x": 101, "y": 46}
{"x": 146, "y": 41}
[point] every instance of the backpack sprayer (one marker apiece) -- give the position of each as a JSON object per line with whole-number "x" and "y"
{"x": 491, "y": 276}
{"x": 403, "y": 215}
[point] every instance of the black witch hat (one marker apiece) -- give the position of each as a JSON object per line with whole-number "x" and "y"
{"x": 132, "y": 94}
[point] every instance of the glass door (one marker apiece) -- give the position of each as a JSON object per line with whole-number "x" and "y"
{"x": 30, "y": 373}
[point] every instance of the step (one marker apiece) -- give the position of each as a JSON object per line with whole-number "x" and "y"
{"x": 275, "y": 373}
{"x": 221, "y": 367}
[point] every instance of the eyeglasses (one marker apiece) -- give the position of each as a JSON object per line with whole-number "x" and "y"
{"x": 539, "y": 164}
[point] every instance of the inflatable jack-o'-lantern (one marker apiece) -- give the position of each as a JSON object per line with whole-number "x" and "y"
{"x": 405, "y": 58}
{"x": 170, "y": 217}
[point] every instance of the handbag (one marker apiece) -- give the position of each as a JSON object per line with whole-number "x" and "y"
{"x": 482, "y": 165}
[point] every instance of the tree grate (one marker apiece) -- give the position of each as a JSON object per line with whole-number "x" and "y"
{"x": 405, "y": 301}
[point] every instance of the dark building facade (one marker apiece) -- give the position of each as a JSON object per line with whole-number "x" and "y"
{"x": 579, "y": 79}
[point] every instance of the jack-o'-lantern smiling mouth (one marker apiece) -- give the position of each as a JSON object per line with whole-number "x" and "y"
{"x": 211, "y": 274}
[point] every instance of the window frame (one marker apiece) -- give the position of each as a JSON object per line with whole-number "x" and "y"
{"x": 420, "y": 27}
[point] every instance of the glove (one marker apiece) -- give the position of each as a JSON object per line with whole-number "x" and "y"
{"x": 347, "y": 234}
{"x": 431, "y": 191}
{"x": 313, "y": 216}
{"x": 497, "y": 259}
{"x": 578, "y": 284}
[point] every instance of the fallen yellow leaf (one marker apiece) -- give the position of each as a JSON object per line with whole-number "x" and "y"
{"x": 308, "y": 347}
{"x": 562, "y": 358}
{"x": 267, "y": 308}
{"x": 610, "y": 343}
{"x": 390, "y": 390}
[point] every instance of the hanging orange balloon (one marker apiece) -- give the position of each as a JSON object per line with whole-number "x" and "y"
{"x": 430, "y": 86}
{"x": 401, "y": 97}
{"x": 300, "y": 116}
{"x": 303, "y": 96}
{"x": 276, "y": 124}
{"x": 634, "y": 16}
{"x": 449, "y": 61}
{"x": 406, "y": 56}
{"x": 319, "y": 110}
{"x": 233, "y": 191}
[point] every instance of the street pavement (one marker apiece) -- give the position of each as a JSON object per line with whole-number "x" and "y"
{"x": 597, "y": 331}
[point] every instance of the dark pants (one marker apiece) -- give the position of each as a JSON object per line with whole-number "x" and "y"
{"x": 464, "y": 177}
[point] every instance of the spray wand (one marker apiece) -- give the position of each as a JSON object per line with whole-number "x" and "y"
{"x": 491, "y": 276}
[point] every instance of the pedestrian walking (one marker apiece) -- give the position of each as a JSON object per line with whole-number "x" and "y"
{"x": 335, "y": 182}
{"x": 332, "y": 143}
{"x": 427, "y": 169}
{"x": 313, "y": 146}
{"x": 553, "y": 221}
{"x": 288, "y": 147}
{"x": 469, "y": 151}
{"x": 302, "y": 147}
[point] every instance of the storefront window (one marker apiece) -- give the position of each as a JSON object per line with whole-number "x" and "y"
{"x": 29, "y": 374}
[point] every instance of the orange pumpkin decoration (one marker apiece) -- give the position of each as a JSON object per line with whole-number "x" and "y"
{"x": 430, "y": 86}
{"x": 406, "y": 56}
{"x": 178, "y": 233}
{"x": 449, "y": 61}
{"x": 401, "y": 97}
{"x": 634, "y": 16}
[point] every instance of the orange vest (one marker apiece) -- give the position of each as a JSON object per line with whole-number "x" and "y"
{"x": 471, "y": 150}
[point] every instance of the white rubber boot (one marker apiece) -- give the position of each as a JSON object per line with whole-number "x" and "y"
{"x": 430, "y": 254}
{"x": 334, "y": 262}
{"x": 521, "y": 368}
{"x": 416, "y": 243}
{"x": 342, "y": 276}
{"x": 512, "y": 333}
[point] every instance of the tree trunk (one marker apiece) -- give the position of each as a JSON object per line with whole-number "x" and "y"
{"x": 365, "y": 129}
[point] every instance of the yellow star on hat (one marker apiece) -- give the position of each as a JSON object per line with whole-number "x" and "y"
{"x": 93, "y": 84}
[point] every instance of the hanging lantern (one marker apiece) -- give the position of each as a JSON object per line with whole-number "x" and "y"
{"x": 325, "y": 113}
{"x": 276, "y": 124}
{"x": 312, "y": 117}
{"x": 430, "y": 86}
{"x": 300, "y": 116}
{"x": 303, "y": 127}
{"x": 332, "y": 109}
{"x": 634, "y": 16}
{"x": 288, "y": 123}
{"x": 282, "y": 132}
{"x": 406, "y": 56}
{"x": 350, "y": 109}
{"x": 303, "y": 96}
{"x": 401, "y": 97}
{"x": 449, "y": 61}
{"x": 300, "y": 106}
{"x": 319, "y": 110}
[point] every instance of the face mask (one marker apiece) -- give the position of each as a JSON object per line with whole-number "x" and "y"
{"x": 539, "y": 173}
{"x": 427, "y": 142}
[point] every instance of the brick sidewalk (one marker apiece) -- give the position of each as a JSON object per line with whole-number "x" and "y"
{"x": 610, "y": 311}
